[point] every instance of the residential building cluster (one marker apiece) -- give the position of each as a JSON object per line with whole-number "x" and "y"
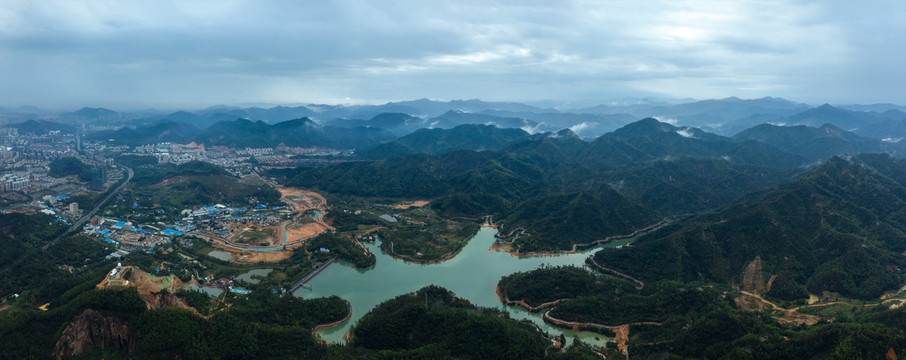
{"x": 11, "y": 182}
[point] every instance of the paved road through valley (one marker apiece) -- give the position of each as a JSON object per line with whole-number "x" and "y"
{"x": 78, "y": 224}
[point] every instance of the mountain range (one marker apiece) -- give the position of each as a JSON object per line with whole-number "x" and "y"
{"x": 796, "y": 199}
{"x": 725, "y": 117}
{"x": 836, "y": 228}
{"x": 536, "y": 171}
{"x": 246, "y": 133}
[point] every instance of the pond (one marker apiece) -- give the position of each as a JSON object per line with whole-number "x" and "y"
{"x": 211, "y": 291}
{"x": 473, "y": 275}
{"x": 251, "y": 276}
{"x": 221, "y": 255}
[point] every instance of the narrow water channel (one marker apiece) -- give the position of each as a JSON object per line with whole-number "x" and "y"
{"x": 473, "y": 275}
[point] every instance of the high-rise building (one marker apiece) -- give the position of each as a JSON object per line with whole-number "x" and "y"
{"x": 98, "y": 178}
{"x": 10, "y": 182}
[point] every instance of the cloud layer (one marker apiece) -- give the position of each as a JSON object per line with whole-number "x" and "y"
{"x": 199, "y": 53}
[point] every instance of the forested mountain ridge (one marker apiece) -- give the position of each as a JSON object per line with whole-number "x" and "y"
{"x": 818, "y": 144}
{"x": 297, "y": 132}
{"x": 166, "y": 131}
{"x": 42, "y": 127}
{"x": 548, "y": 169}
{"x": 440, "y": 141}
{"x": 247, "y": 133}
{"x": 658, "y": 139}
{"x": 839, "y": 228}
{"x": 408, "y": 325}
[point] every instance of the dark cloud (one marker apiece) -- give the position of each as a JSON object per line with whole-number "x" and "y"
{"x": 198, "y": 53}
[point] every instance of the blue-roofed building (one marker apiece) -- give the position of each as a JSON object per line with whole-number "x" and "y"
{"x": 170, "y": 232}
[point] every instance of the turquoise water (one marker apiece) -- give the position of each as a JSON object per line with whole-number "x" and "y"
{"x": 316, "y": 214}
{"x": 473, "y": 275}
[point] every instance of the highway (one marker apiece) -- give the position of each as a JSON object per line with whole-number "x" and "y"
{"x": 78, "y": 224}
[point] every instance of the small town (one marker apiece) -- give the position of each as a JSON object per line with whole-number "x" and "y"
{"x": 31, "y": 182}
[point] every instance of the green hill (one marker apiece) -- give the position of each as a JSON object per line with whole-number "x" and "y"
{"x": 175, "y": 187}
{"x": 69, "y": 166}
{"x": 397, "y": 123}
{"x": 557, "y": 221}
{"x": 687, "y": 185}
{"x": 168, "y": 131}
{"x": 247, "y": 133}
{"x": 817, "y": 143}
{"x": 41, "y": 127}
{"x": 441, "y": 141}
{"x": 655, "y": 171}
{"x": 449, "y": 327}
{"x": 827, "y": 114}
{"x": 658, "y": 140}
{"x": 839, "y": 228}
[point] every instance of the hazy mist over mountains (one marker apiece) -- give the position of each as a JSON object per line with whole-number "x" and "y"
{"x": 725, "y": 117}
{"x": 492, "y": 179}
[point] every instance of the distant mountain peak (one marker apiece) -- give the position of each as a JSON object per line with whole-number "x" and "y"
{"x": 645, "y": 126}
{"x": 564, "y": 134}
{"x": 93, "y": 112}
{"x": 387, "y": 115}
{"x": 300, "y": 121}
{"x": 832, "y": 130}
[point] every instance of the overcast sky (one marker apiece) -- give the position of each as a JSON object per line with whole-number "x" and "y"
{"x": 138, "y": 54}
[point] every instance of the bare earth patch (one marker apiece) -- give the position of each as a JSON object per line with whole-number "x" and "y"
{"x": 305, "y": 231}
{"x": 150, "y": 287}
{"x": 410, "y": 204}
{"x": 789, "y": 317}
{"x": 254, "y": 257}
{"x": 300, "y": 199}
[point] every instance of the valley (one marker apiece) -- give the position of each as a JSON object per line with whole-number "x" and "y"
{"x": 468, "y": 180}
{"x": 654, "y": 239}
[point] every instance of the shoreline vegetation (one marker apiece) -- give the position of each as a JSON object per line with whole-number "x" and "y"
{"x": 521, "y": 302}
{"x": 408, "y": 259}
{"x": 319, "y": 327}
{"x": 508, "y": 245}
{"x": 621, "y": 332}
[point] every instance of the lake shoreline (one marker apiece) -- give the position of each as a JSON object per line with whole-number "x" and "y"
{"x": 319, "y": 327}
{"x": 473, "y": 274}
{"x": 521, "y": 303}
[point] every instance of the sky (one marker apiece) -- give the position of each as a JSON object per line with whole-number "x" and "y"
{"x": 194, "y": 54}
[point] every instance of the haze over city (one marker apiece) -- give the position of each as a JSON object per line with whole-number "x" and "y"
{"x": 134, "y": 55}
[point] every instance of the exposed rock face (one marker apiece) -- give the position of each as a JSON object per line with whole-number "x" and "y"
{"x": 162, "y": 299}
{"x": 753, "y": 277}
{"x": 91, "y": 330}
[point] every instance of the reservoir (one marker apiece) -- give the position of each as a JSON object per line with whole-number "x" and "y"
{"x": 472, "y": 275}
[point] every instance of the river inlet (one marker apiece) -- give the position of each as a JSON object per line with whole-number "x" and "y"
{"x": 472, "y": 275}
